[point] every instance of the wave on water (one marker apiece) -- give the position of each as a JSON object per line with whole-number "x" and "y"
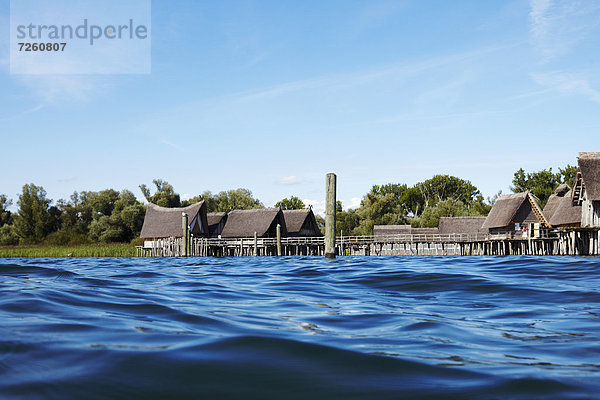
{"x": 294, "y": 327}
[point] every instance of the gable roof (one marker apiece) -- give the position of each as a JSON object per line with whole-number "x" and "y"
{"x": 566, "y": 213}
{"x": 382, "y": 230}
{"x": 243, "y": 223}
{"x": 214, "y": 218}
{"x": 589, "y": 165}
{"x": 563, "y": 190}
{"x": 472, "y": 225}
{"x": 296, "y": 219}
{"x": 162, "y": 222}
{"x": 506, "y": 207}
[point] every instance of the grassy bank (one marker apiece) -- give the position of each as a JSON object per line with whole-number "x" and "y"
{"x": 87, "y": 250}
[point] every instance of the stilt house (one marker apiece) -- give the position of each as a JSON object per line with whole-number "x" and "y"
{"x": 516, "y": 215}
{"x": 560, "y": 211}
{"x": 586, "y": 190}
{"x": 263, "y": 221}
{"x": 462, "y": 225}
{"x": 216, "y": 223}
{"x": 162, "y": 223}
{"x": 301, "y": 223}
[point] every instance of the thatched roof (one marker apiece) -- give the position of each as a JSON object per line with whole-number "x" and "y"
{"x": 566, "y": 213}
{"x": 511, "y": 207}
{"x": 472, "y": 225}
{"x": 589, "y": 164}
{"x": 554, "y": 200}
{"x": 162, "y": 222}
{"x": 301, "y": 223}
{"x": 424, "y": 231}
{"x": 243, "y": 223}
{"x": 215, "y": 217}
{"x": 551, "y": 206}
{"x": 504, "y": 209}
{"x": 384, "y": 230}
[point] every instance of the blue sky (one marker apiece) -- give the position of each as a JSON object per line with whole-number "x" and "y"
{"x": 272, "y": 95}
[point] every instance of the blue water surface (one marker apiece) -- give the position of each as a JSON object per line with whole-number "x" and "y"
{"x": 298, "y": 327}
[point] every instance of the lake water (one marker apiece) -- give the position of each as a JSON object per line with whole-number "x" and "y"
{"x": 300, "y": 327}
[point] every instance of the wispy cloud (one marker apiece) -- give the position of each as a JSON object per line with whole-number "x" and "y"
{"x": 58, "y": 88}
{"x": 557, "y": 26}
{"x": 289, "y": 180}
{"x": 172, "y": 144}
{"x": 568, "y": 83}
{"x": 22, "y": 113}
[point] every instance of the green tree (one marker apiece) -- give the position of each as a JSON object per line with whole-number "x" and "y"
{"x": 567, "y": 174}
{"x": 124, "y": 222}
{"x": 345, "y": 221}
{"x": 542, "y": 183}
{"x": 443, "y": 187}
{"x": 36, "y": 218}
{"x": 291, "y": 203}
{"x": 445, "y": 208}
{"x": 5, "y": 214}
{"x": 164, "y": 196}
{"x": 78, "y": 213}
{"x": 236, "y": 199}
{"x": 8, "y": 237}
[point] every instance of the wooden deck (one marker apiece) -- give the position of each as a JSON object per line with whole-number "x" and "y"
{"x": 571, "y": 242}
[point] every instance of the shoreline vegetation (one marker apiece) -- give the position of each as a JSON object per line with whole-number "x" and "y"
{"x": 83, "y": 250}
{"x": 107, "y": 223}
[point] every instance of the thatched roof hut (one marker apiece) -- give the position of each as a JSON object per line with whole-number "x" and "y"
{"x": 589, "y": 166}
{"x": 511, "y": 209}
{"x": 566, "y": 214}
{"x": 162, "y": 222}
{"x": 263, "y": 221}
{"x": 387, "y": 230}
{"x": 216, "y": 223}
{"x": 301, "y": 223}
{"x": 462, "y": 225}
{"x": 586, "y": 189}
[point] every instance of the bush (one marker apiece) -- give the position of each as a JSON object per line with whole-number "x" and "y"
{"x": 8, "y": 237}
{"x": 137, "y": 242}
{"x": 66, "y": 238}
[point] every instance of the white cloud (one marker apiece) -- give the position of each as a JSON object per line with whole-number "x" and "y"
{"x": 557, "y": 26}
{"x": 289, "y": 180}
{"x": 186, "y": 196}
{"x": 55, "y": 88}
{"x": 568, "y": 83}
{"x": 318, "y": 206}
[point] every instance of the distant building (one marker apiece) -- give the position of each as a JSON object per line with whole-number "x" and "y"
{"x": 391, "y": 230}
{"x": 301, "y": 223}
{"x": 462, "y": 225}
{"x": 162, "y": 223}
{"x": 388, "y": 230}
{"x": 216, "y": 223}
{"x": 586, "y": 189}
{"x": 517, "y": 213}
{"x": 263, "y": 221}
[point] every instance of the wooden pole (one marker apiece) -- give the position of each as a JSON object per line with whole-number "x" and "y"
{"x": 330, "y": 190}
{"x": 278, "y": 240}
{"x": 255, "y": 244}
{"x": 184, "y": 231}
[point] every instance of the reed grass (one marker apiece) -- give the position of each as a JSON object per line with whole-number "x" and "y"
{"x": 86, "y": 250}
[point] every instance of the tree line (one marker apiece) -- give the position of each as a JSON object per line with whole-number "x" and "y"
{"x": 117, "y": 216}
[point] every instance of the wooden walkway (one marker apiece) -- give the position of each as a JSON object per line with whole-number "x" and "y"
{"x": 572, "y": 242}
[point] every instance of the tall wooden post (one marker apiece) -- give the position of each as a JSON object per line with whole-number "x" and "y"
{"x": 184, "y": 236}
{"x": 278, "y": 240}
{"x": 255, "y": 244}
{"x": 330, "y": 190}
